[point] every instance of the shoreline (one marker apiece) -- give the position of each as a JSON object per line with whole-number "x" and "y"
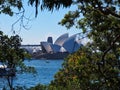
{"x": 49, "y": 56}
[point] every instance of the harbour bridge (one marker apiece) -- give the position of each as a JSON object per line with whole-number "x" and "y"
{"x": 31, "y": 48}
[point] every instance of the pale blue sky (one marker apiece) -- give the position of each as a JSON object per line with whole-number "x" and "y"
{"x": 46, "y": 24}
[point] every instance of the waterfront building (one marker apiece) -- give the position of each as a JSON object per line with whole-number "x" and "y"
{"x": 64, "y": 43}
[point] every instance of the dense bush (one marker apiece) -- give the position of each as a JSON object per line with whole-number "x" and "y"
{"x": 84, "y": 70}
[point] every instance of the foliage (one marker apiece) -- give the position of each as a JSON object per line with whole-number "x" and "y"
{"x": 84, "y": 71}
{"x": 50, "y": 4}
{"x": 39, "y": 87}
{"x": 6, "y": 6}
{"x": 10, "y": 52}
{"x": 12, "y": 56}
{"x": 92, "y": 12}
{"x": 107, "y": 7}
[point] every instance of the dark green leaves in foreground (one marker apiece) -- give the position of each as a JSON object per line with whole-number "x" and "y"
{"x": 7, "y": 6}
{"x": 11, "y": 54}
{"x": 50, "y": 4}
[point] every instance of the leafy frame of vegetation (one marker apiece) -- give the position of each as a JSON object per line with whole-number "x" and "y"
{"x": 13, "y": 56}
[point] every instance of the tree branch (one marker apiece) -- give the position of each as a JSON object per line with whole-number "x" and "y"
{"x": 106, "y": 10}
{"x": 107, "y": 50}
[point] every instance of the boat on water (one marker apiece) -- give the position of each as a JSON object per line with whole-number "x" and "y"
{"x": 5, "y": 71}
{"x": 47, "y": 61}
{"x": 3, "y": 66}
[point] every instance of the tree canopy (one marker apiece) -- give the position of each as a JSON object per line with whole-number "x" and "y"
{"x": 12, "y": 57}
{"x": 107, "y": 7}
{"x": 7, "y": 6}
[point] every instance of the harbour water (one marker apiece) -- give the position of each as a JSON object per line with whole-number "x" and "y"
{"x": 46, "y": 70}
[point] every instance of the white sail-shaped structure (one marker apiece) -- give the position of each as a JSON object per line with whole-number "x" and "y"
{"x": 61, "y": 39}
{"x": 55, "y": 48}
{"x": 72, "y": 44}
{"x": 47, "y": 47}
{"x": 69, "y": 44}
{"x": 63, "y": 44}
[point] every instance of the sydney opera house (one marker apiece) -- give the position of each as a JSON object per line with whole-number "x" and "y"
{"x": 64, "y": 43}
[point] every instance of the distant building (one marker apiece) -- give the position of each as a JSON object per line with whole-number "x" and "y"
{"x": 50, "y": 40}
{"x": 64, "y": 43}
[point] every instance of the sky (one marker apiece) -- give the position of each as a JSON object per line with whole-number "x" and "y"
{"x": 45, "y": 25}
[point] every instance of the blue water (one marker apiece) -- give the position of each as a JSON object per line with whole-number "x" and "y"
{"x": 46, "y": 70}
